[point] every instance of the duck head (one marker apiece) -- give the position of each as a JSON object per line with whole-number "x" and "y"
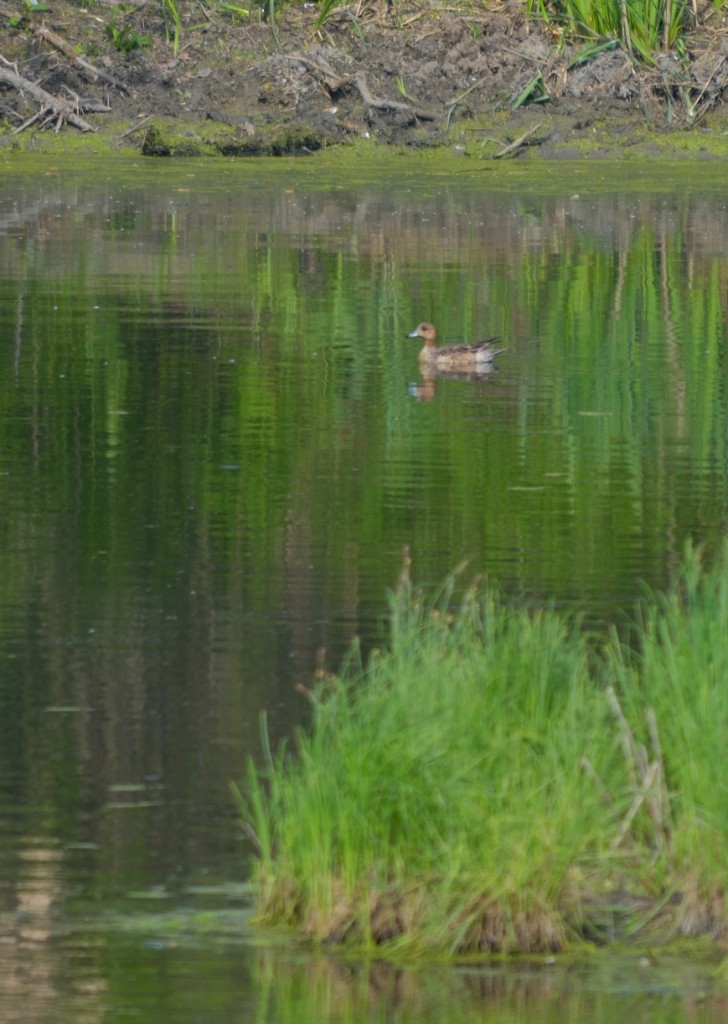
{"x": 426, "y": 332}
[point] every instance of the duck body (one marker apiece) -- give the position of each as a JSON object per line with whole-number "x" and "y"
{"x": 452, "y": 357}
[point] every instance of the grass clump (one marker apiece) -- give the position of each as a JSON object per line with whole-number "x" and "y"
{"x": 436, "y": 799}
{"x": 640, "y": 25}
{"x": 489, "y": 785}
{"x": 681, "y": 682}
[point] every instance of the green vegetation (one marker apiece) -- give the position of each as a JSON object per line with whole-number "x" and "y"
{"x": 171, "y": 12}
{"x": 498, "y": 781}
{"x": 641, "y": 25}
{"x": 126, "y": 40}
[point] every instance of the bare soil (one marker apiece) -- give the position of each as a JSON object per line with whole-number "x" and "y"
{"x": 485, "y": 79}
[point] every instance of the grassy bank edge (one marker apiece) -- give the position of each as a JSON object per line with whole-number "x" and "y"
{"x": 499, "y": 781}
{"x": 627, "y": 138}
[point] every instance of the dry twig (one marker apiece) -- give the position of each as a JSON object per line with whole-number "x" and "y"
{"x": 360, "y": 82}
{"x": 647, "y": 777}
{"x": 50, "y": 106}
{"x": 134, "y": 128}
{"x": 518, "y": 142}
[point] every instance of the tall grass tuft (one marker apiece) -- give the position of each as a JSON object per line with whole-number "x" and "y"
{"x": 641, "y": 25}
{"x": 170, "y": 10}
{"x": 683, "y": 688}
{"x": 437, "y": 799}
{"x": 490, "y": 784}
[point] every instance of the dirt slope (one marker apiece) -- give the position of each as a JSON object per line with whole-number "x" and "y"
{"x": 413, "y": 75}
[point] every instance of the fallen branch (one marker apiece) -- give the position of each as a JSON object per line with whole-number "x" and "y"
{"x": 693, "y": 107}
{"x": 360, "y": 82}
{"x": 89, "y": 106}
{"x": 134, "y": 128}
{"x": 333, "y": 82}
{"x": 50, "y": 106}
{"x": 518, "y": 142}
{"x": 65, "y": 47}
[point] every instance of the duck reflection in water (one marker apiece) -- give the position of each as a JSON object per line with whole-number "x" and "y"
{"x": 426, "y": 389}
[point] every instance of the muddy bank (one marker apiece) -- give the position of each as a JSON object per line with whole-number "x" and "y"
{"x": 490, "y": 82}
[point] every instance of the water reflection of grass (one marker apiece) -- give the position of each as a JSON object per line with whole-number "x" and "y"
{"x": 499, "y": 781}
{"x": 605, "y": 988}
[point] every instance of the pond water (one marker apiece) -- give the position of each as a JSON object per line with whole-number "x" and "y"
{"x": 216, "y": 442}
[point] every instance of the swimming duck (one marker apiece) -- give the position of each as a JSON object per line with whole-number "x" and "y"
{"x": 479, "y": 354}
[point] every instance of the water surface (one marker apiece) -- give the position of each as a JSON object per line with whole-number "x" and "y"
{"x": 216, "y": 442}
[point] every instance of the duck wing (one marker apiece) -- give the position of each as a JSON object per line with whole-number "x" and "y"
{"x": 487, "y": 347}
{"x": 484, "y": 350}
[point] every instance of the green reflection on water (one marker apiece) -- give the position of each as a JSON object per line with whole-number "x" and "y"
{"x": 177, "y": 983}
{"x": 210, "y": 456}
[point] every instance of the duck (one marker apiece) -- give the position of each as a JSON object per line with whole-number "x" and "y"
{"x": 478, "y": 355}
